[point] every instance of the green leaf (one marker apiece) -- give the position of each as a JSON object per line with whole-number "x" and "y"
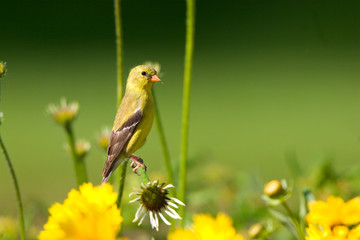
{"x": 286, "y": 221}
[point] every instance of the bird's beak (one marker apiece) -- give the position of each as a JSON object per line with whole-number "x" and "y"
{"x": 155, "y": 78}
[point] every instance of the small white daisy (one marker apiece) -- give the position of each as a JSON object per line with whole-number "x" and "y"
{"x": 154, "y": 199}
{"x": 82, "y": 147}
{"x": 103, "y": 138}
{"x": 65, "y": 113}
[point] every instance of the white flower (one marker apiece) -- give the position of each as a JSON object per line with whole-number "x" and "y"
{"x": 154, "y": 199}
{"x": 65, "y": 113}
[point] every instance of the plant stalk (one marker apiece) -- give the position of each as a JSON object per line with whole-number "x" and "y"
{"x": 189, "y": 49}
{"x": 121, "y": 176}
{"x": 144, "y": 176}
{"x": 117, "y": 12}
{"x": 299, "y": 230}
{"x": 79, "y": 164}
{"x": 121, "y": 173}
{"x": 163, "y": 143}
{"x": 17, "y": 190}
{"x": 122, "y": 167}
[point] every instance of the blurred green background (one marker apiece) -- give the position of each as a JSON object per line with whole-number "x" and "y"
{"x": 269, "y": 77}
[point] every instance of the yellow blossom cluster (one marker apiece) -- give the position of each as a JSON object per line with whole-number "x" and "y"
{"x": 205, "y": 227}
{"x": 90, "y": 213}
{"x": 334, "y": 219}
{"x": 338, "y": 232}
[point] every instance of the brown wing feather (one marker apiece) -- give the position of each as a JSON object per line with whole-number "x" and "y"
{"x": 118, "y": 140}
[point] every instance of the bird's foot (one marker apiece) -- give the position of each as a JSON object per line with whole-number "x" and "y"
{"x": 136, "y": 162}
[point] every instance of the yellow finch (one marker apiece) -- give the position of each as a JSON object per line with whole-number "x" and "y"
{"x": 133, "y": 120}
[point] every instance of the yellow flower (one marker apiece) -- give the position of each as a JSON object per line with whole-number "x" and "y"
{"x": 88, "y": 214}
{"x": 352, "y": 212}
{"x": 334, "y": 219}
{"x": 206, "y": 227}
{"x": 339, "y": 232}
{"x": 334, "y": 212}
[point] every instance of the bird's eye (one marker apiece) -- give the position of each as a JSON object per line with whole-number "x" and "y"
{"x": 143, "y": 73}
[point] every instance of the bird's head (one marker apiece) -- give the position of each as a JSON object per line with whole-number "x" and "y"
{"x": 142, "y": 77}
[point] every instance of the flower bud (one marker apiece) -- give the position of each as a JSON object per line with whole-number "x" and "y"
{"x": 2, "y": 69}
{"x": 276, "y": 192}
{"x": 274, "y": 189}
{"x": 256, "y": 230}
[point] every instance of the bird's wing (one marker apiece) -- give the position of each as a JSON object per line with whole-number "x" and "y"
{"x": 118, "y": 140}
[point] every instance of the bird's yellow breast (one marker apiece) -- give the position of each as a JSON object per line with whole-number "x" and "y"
{"x": 142, "y": 130}
{"x": 134, "y": 100}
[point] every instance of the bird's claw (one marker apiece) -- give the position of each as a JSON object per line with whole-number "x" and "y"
{"x": 136, "y": 163}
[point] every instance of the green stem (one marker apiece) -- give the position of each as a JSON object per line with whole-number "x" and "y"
{"x": 79, "y": 164}
{"x": 163, "y": 142}
{"x": 144, "y": 176}
{"x": 17, "y": 190}
{"x": 299, "y": 230}
{"x": 190, "y": 21}
{"x": 122, "y": 174}
{"x": 122, "y": 168}
{"x": 117, "y": 13}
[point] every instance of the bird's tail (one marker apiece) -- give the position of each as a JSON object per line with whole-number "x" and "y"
{"x": 105, "y": 179}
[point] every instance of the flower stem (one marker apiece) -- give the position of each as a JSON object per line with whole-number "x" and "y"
{"x": 117, "y": 12}
{"x": 189, "y": 47}
{"x": 79, "y": 164}
{"x": 122, "y": 175}
{"x": 144, "y": 176}
{"x": 299, "y": 230}
{"x": 17, "y": 189}
{"x": 163, "y": 143}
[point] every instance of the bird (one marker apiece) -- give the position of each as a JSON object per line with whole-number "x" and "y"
{"x": 133, "y": 120}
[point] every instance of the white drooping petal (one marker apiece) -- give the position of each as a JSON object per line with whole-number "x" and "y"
{"x": 152, "y": 220}
{"x": 142, "y": 219}
{"x": 174, "y": 212}
{"x": 134, "y": 200}
{"x": 172, "y": 204}
{"x": 156, "y": 222}
{"x": 177, "y": 201}
{"x": 164, "y": 219}
{"x": 138, "y": 213}
{"x": 168, "y": 186}
{"x": 137, "y": 192}
{"x": 171, "y": 215}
